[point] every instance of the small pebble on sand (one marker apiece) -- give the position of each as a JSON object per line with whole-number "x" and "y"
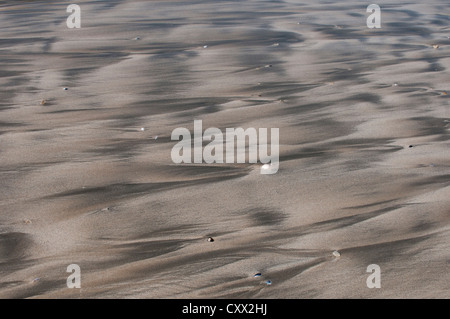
{"x": 268, "y": 282}
{"x": 210, "y": 239}
{"x": 336, "y": 254}
{"x": 65, "y": 89}
{"x": 435, "y": 46}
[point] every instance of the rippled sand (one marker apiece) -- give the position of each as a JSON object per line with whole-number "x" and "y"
{"x": 81, "y": 183}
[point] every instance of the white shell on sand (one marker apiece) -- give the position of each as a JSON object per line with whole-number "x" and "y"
{"x": 336, "y": 253}
{"x": 142, "y": 129}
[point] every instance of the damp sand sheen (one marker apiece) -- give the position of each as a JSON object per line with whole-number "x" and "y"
{"x": 363, "y": 165}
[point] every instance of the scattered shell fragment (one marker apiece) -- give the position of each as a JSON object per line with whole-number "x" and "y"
{"x": 395, "y": 84}
{"x": 43, "y": 101}
{"x": 142, "y": 129}
{"x": 336, "y": 254}
{"x": 205, "y": 46}
{"x": 435, "y": 46}
{"x": 210, "y": 239}
{"x": 268, "y": 66}
{"x": 137, "y": 38}
{"x": 275, "y": 44}
{"x": 27, "y": 221}
{"x": 156, "y": 137}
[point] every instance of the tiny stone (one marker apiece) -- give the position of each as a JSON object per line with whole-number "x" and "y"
{"x": 65, "y": 89}
{"x": 268, "y": 282}
{"x": 142, "y": 129}
{"x": 435, "y": 46}
{"x": 205, "y": 46}
{"x": 411, "y": 146}
{"x": 43, "y": 102}
{"x": 137, "y": 38}
{"x": 27, "y": 221}
{"x": 336, "y": 253}
{"x": 268, "y": 66}
{"x": 210, "y": 239}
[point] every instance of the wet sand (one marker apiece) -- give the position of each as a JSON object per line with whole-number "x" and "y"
{"x": 81, "y": 183}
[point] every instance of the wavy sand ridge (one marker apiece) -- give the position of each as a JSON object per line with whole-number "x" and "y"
{"x": 82, "y": 183}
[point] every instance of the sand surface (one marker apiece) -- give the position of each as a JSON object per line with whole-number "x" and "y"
{"x": 81, "y": 183}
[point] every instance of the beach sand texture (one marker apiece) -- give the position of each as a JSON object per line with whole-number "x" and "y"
{"x": 82, "y": 184}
